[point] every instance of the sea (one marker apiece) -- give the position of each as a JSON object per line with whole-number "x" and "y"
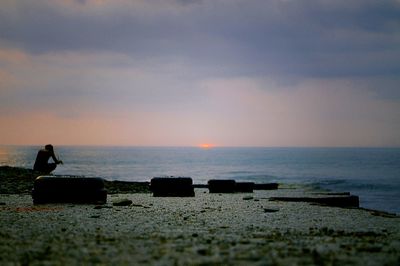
{"x": 373, "y": 174}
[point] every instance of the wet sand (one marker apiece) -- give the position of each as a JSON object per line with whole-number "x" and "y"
{"x": 208, "y": 229}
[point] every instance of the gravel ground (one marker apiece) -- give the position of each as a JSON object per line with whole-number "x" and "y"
{"x": 234, "y": 229}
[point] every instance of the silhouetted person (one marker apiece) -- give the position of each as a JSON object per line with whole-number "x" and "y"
{"x": 42, "y": 160}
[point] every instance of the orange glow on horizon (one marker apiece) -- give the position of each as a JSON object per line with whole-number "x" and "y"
{"x": 206, "y": 146}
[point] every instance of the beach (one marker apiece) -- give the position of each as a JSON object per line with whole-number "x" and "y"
{"x": 208, "y": 229}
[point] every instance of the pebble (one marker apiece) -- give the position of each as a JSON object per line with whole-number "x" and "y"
{"x": 218, "y": 230}
{"x": 270, "y": 210}
{"x": 102, "y": 207}
{"x": 202, "y": 251}
{"x": 122, "y": 202}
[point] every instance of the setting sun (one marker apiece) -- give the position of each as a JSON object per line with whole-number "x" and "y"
{"x": 206, "y": 146}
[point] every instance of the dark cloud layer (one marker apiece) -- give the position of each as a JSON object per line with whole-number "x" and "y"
{"x": 300, "y": 38}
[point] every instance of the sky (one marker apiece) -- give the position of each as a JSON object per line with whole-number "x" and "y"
{"x": 273, "y": 73}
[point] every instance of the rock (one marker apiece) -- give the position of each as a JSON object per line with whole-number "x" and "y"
{"x": 98, "y": 207}
{"x": 383, "y": 214}
{"x": 222, "y": 185}
{"x": 244, "y": 187}
{"x": 334, "y": 201}
{"x": 172, "y": 187}
{"x": 122, "y": 202}
{"x": 270, "y": 210}
{"x": 202, "y": 251}
{"x": 248, "y": 198}
{"x": 118, "y": 187}
{"x": 16, "y": 180}
{"x": 266, "y": 186}
{"x": 200, "y": 185}
{"x": 69, "y": 189}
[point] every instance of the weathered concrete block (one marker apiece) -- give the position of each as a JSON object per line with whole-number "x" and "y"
{"x": 222, "y": 186}
{"x": 244, "y": 187}
{"x": 172, "y": 187}
{"x": 335, "y": 201}
{"x": 69, "y": 189}
{"x": 266, "y": 186}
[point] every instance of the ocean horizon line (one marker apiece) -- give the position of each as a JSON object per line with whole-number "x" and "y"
{"x": 200, "y": 146}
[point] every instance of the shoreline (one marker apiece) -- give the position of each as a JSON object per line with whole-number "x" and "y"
{"x": 17, "y": 180}
{"x": 210, "y": 228}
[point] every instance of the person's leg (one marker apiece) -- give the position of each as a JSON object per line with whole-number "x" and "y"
{"x": 50, "y": 167}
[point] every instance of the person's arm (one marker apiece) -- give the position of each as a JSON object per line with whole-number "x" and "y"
{"x": 55, "y": 158}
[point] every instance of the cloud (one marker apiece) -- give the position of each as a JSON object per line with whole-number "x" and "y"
{"x": 313, "y": 113}
{"x": 73, "y": 83}
{"x": 174, "y": 71}
{"x": 300, "y": 38}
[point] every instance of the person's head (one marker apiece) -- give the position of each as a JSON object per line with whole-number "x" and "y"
{"x": 49, "y": 147}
